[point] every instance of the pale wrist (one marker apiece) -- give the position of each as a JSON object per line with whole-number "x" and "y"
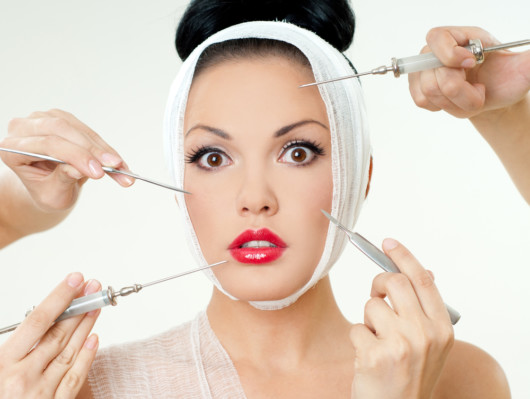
{"x": 513, "y": 121}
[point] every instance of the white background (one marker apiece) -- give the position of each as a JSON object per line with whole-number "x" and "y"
{"x": 437, "y": 186}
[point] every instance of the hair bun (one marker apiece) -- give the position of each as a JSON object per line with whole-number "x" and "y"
{"x": 332, "y": 20}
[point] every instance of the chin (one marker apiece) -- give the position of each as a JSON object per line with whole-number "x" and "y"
{"x": 258, "y": 287}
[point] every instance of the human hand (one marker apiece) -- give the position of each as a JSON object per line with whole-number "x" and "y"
{"x": 44, "y": 361}
{"x": 55, "y": 187}
{"x": 400, "y": 350}
{"x": 465, "y": 89}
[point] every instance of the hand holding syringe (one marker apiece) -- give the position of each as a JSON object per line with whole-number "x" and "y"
{"x": 106, "y": 297}
{"x": 422, "y": 62}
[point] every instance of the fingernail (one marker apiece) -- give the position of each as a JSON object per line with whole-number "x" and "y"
{"x": 431, "y": 274}
{"x": 389, "y": 244}
{"x": 95, "y": 169}
{"x": 75, "y": 174}
{"x": 93, "y": 312}
{"x": 72, "y": 172}
{"x": 126, "y": 180}
{"x": 110, "y": 159}
{"x": 74, "y": 280}
{"x": 91, "y": 342}
{"x": 468, "y": 63}
{"x": 92, "y": 286}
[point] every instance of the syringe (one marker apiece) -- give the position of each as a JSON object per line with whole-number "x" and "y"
{"x": 422, "y": 62}
{"x": 106, "y": 297}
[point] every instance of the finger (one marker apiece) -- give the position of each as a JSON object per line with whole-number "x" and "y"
{"x": 399, "y": 290}
{"x": 455, "y": 87}
{"x": 430, "y": 87}
{"x": 89, "y": 132}
{"x": 419, "y": 98}
{"x": 76, "y": 376}
{"x": 109, "y": 158}
{"x": 447, "y": 43}
{"x": 59, "y": 335}
{"x": 68, "y": 174}
{"x": 431, "y": 274}
{"x": 423, "y": 284}
{"x": 362, "y": 339}
{"x": 42, "y": 317}
{"x": 447, "y": 46}
{"x": 378, "y": 316}
{"x": 58, "y": 126}
{"x": 56, "y": 147}
{"x": 65, "y": 360}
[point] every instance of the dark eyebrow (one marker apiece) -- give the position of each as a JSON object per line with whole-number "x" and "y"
{"x": 280, "y": 132}
{"x": 219, "y": 132}
{"x": 286, "y": 129}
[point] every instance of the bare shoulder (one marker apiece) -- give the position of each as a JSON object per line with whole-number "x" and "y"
{"x": 470, "y": 372}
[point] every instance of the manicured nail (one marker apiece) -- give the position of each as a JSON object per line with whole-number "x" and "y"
{"x": 74, "y": 173}
{"x": 91, "y": 341}
{"x": 389, "y": 244}
{"x": 468, "y": 63}
{"x": 431, "y": 274}
{"x": 71, "y": 172}
{"x": 126, "y": 180}
{"x": 93, "y": 312}
{"x": 110, "y": 159}
{"x": 94, "y": 168}
{"x": 91, "y": 287}
{"x": 74, "y": 280}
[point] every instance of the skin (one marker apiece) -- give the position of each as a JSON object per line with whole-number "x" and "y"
{"x": 37, "y": 195}
{"x": 493, "y": 95}
{"x": 255, "y": 188}
{"x": 58, "y": 365}
{"x": 400, "y": 351}
{"x": 308, "y": 349}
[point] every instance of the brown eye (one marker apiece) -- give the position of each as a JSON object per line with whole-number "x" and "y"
{"x": 298, "y": 155}
{"x": 214, "y": 160}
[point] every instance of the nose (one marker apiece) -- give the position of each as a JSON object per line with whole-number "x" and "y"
{"x": 256, "y": 195}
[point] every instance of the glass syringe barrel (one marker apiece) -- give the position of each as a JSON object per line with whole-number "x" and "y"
{"x": 88, "y": 303}
{"x": 426, "y": 61}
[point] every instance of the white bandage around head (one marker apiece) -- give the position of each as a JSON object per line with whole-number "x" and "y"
{"x": 350, "y": 145}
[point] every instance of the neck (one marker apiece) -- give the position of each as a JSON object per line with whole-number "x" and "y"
{"x": 310, "y": 330}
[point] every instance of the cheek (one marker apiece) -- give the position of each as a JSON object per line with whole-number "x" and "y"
{"x": 209, "y": 207}
{"x": 303, "y": 196}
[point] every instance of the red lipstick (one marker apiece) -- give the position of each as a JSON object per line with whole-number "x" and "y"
{"x": 257, "y": 247}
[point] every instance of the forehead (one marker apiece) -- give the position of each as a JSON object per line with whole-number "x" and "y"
{"x": 253, "y": 91}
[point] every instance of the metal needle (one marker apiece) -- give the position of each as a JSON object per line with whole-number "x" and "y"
{"x": 107, "y": 169}
{"x": 384, "y": 69}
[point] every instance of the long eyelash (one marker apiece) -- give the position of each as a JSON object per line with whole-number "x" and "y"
{"x": 312, "y": 145}
{"x": 196, "y": 154}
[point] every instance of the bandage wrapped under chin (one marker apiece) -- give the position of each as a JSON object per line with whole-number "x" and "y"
{"x": 350, "y": 144}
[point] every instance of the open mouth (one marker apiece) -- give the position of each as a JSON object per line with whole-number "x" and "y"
{"x": 257, "y": 247}
{"x": 258, "y": 244}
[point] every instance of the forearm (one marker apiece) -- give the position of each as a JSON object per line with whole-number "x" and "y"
{"x": 19, "y": 216}
{"x": 508, "y": 133}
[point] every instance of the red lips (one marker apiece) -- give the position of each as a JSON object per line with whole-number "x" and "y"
{"x": 254, "y": 246}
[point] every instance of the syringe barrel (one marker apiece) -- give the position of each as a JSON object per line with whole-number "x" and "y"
{"x": 423, "y": 62}
{"x": 416, "y": 63}
{"x": 85, "y": 304}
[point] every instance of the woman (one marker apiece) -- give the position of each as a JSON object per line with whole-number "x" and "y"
{"x": 267, "y": 155}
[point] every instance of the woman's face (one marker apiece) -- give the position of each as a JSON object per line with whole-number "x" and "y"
{"x": 258, "y": 162}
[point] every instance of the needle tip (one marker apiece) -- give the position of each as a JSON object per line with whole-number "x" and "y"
{"x": 307, "y": 85}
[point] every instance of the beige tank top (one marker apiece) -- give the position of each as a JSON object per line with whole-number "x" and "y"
{"x": 187, "y": 361}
